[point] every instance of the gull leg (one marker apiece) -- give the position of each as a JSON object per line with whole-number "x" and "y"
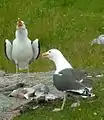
{"x": 16, "y": 69}
{"x": 28, "y": 71}
{"x": 64, "y": 100}
{"x": 62, "y": 106}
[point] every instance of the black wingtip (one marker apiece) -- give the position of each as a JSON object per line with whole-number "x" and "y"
{"x": 37, "y": 54}
{"x": 39, "y": 50}
{"x": 5, "y": 50}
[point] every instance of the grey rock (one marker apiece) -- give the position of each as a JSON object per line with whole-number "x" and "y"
{"x": 41, "y": 84}
{"x": 9, "y": 86}
{"x": 76, "y": 104}
{"x": 2, "y": 73}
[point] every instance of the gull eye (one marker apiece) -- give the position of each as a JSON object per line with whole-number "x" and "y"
{"x": 49, "y": 51}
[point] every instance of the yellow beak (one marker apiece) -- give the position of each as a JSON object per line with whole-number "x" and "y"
{"x": 19, "y": 22}
{"x": 44, "y": 55}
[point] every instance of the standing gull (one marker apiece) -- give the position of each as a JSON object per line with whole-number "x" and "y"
{"x": 67, "y": 79}
{"x": 22, "y": 51}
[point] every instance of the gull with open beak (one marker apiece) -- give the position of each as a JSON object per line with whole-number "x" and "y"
{"x": 22, "y": 51}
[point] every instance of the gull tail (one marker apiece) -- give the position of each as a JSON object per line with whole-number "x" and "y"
{"x": 87, "y": 93}
{"x": 23, "y": 66}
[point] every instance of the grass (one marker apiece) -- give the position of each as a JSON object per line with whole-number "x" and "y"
{"x": 70, "y": 26}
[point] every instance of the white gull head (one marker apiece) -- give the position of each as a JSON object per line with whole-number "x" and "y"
{"x": 21, "y": 30}
{"x": 57, "y": 57}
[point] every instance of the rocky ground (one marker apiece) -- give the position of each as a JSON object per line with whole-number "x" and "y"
{"x": 8, "y": 82}
{"x": 10, "y": 106}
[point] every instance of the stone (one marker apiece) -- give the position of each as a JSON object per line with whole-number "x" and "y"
{"x": 2, "y": 73}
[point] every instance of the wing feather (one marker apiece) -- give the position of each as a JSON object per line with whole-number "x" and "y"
{"x": 66, "y": 80}
{"x": 8, "y": 49}
{"x": 36, "y": 49}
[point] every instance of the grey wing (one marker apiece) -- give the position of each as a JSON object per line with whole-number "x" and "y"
{"x": 66, "y": 81}
{"x": 80, "y": 76}
{"x": 36, "y": 49}
{"x": 8, "y": 49}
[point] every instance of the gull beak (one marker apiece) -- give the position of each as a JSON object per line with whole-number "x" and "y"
{"x": 19, "y": 23}
{"x": 45, "y": 55}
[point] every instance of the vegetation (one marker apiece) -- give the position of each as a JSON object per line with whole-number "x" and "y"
{"x": 70, "y": 26}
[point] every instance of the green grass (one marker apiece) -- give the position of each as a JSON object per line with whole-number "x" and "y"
{"x": 70, "y": 26}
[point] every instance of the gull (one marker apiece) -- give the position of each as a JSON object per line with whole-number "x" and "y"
{"x": 22, "y": 51}
{"x": 67, "y": 79}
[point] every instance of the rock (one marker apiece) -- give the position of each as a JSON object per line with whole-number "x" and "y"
{"x": 50, "y": 96}
{"x": 45, "y": 89}
{"x": 2, "y": 73}
{"x": 12, "y": 87}
{"x": 10, "y": 82}
{"x": 40, "y": 88}
{"x": 39, "y": 91}
{"x": 18, "y": 93}
{"x": 76, "y": 104}
{"x": 29, "y": 92}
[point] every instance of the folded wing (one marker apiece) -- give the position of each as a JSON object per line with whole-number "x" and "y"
{"x": 8, "y": 49}
{"x": 66, "y": 81}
